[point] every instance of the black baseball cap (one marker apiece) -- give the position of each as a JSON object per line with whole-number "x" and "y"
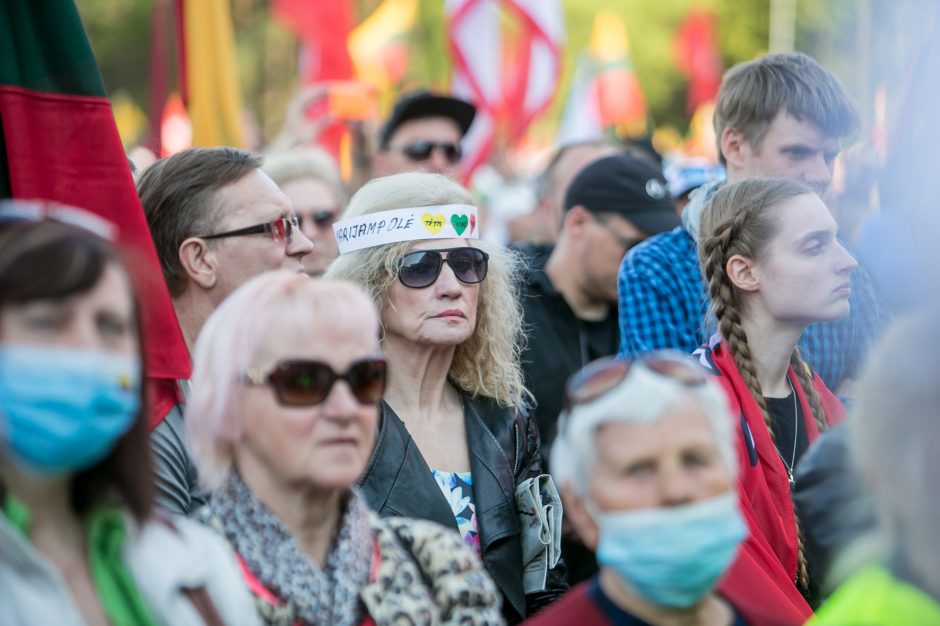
{"x": 631, "y": 187}
{"x": 421, "y": 104}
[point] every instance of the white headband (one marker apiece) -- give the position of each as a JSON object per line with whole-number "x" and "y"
{"x": 446, "y": 221}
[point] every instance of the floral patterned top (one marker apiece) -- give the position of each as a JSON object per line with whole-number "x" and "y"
{"x": 458, "y": 490}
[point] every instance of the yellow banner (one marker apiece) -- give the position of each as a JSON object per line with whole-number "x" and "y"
{"x": 212, "y": 73}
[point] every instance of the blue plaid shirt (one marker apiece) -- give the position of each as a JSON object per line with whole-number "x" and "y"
{"x": 663, "y": 304}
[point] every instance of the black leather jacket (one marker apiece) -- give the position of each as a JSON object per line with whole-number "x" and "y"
{"x": 504, "y": 451}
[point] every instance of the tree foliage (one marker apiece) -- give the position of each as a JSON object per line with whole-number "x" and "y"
{"x": 267, "y": 53}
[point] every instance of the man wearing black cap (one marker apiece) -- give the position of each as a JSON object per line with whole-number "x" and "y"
{"x": 423, "y": 134}
{"x": 570, "y": 303}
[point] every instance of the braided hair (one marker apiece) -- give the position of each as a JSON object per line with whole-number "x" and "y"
{"x": 740, "y": 220}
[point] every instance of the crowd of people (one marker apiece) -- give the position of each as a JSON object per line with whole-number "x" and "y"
{"x": 636, "y": 417}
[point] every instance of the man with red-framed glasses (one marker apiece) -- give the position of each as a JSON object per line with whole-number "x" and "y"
{"x": 423, "y": 133}
{"x": 216, "y": 221}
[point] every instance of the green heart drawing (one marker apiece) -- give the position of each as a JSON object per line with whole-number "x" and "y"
{"x": 460, "y": 223}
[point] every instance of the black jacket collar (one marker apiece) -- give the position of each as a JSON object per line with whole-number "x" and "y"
{"x": 398, "y": 482}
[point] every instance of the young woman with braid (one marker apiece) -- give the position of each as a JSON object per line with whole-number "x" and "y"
{"x": 773, "y": 266}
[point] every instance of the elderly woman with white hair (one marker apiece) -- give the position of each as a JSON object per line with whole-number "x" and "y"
{"x": 646, "y": 463}
{"x": 453, "y": 445}
{"x": 894, "y": 436}
{"x": 287, "y": 379}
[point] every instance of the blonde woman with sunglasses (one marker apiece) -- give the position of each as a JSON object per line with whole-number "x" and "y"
{"x": 453, "y": 445}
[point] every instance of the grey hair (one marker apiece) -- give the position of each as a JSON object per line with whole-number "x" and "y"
{"x": 894, "y": 434}
{"x": 283, "y": 167}
{"x": 643, "y": 397}
{"x": 489, "y": 362}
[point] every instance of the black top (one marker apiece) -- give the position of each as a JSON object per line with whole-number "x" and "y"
{"x": 559, "y": 344}
{"x": 504, "y": 451}
{"x": 784, "y": 414}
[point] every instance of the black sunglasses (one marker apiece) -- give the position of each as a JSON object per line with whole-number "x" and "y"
{"x": 598, "y": 377}
{"x": 281, "y": 230}
{"x": 321, "y": 217}
{"x": 306, "y": 383}
{"x": 421, "y": 268}
{"x": 419, "y": 151}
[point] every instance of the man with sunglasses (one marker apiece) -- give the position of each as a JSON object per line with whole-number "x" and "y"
{"x": 570, "y": 301}
{"x": 423, "y": 134}
{"x": 216, "y": 220}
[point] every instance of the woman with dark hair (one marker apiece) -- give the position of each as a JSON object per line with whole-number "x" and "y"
{"x": 77, "y": 541}
{"x": 773, "y": 265}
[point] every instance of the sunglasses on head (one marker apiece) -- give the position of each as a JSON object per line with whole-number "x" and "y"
{"x": 419, "y": 151}
{"x": 597, "y": 378}
{"x": 421, "y": 268}
{"x": 281, "y": 230}
{"x": 16, "y": 211}
{"x": 299, "y": 382}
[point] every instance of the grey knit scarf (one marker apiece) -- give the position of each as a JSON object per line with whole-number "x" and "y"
{"x": 327, "y": 596}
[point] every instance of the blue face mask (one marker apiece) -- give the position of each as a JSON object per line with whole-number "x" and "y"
{"x": 63, "y": 410}
{"x": 672, "y": 556}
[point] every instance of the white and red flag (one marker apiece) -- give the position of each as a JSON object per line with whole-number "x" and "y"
{"x": 507, "y": 59}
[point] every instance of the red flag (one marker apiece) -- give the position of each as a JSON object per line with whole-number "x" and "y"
{"x": 159, "y": 71}
{"x": 697, "y": 57}
{"x": 323, "y": 28}
{"x": 59, "y": 142}
{"x": 507, "y": 61}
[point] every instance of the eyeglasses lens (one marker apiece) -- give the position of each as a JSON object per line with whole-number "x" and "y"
{"x": 420, "y": 269}
{"x": 469, "y": 264}
{"x": 282, "y": 230}
{"x": 595, "y": 380}
{"x": 367, "y": 380}
{"x": 682, "y": 370}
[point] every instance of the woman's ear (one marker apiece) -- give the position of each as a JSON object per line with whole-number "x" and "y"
{"x": 576, "y": 514}
{"x": 742, "y": 273}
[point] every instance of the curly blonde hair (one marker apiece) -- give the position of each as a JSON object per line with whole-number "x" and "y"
{"x": 489, "y": 362}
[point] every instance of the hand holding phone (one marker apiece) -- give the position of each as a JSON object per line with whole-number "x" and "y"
{"x": 351, "y": 100}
